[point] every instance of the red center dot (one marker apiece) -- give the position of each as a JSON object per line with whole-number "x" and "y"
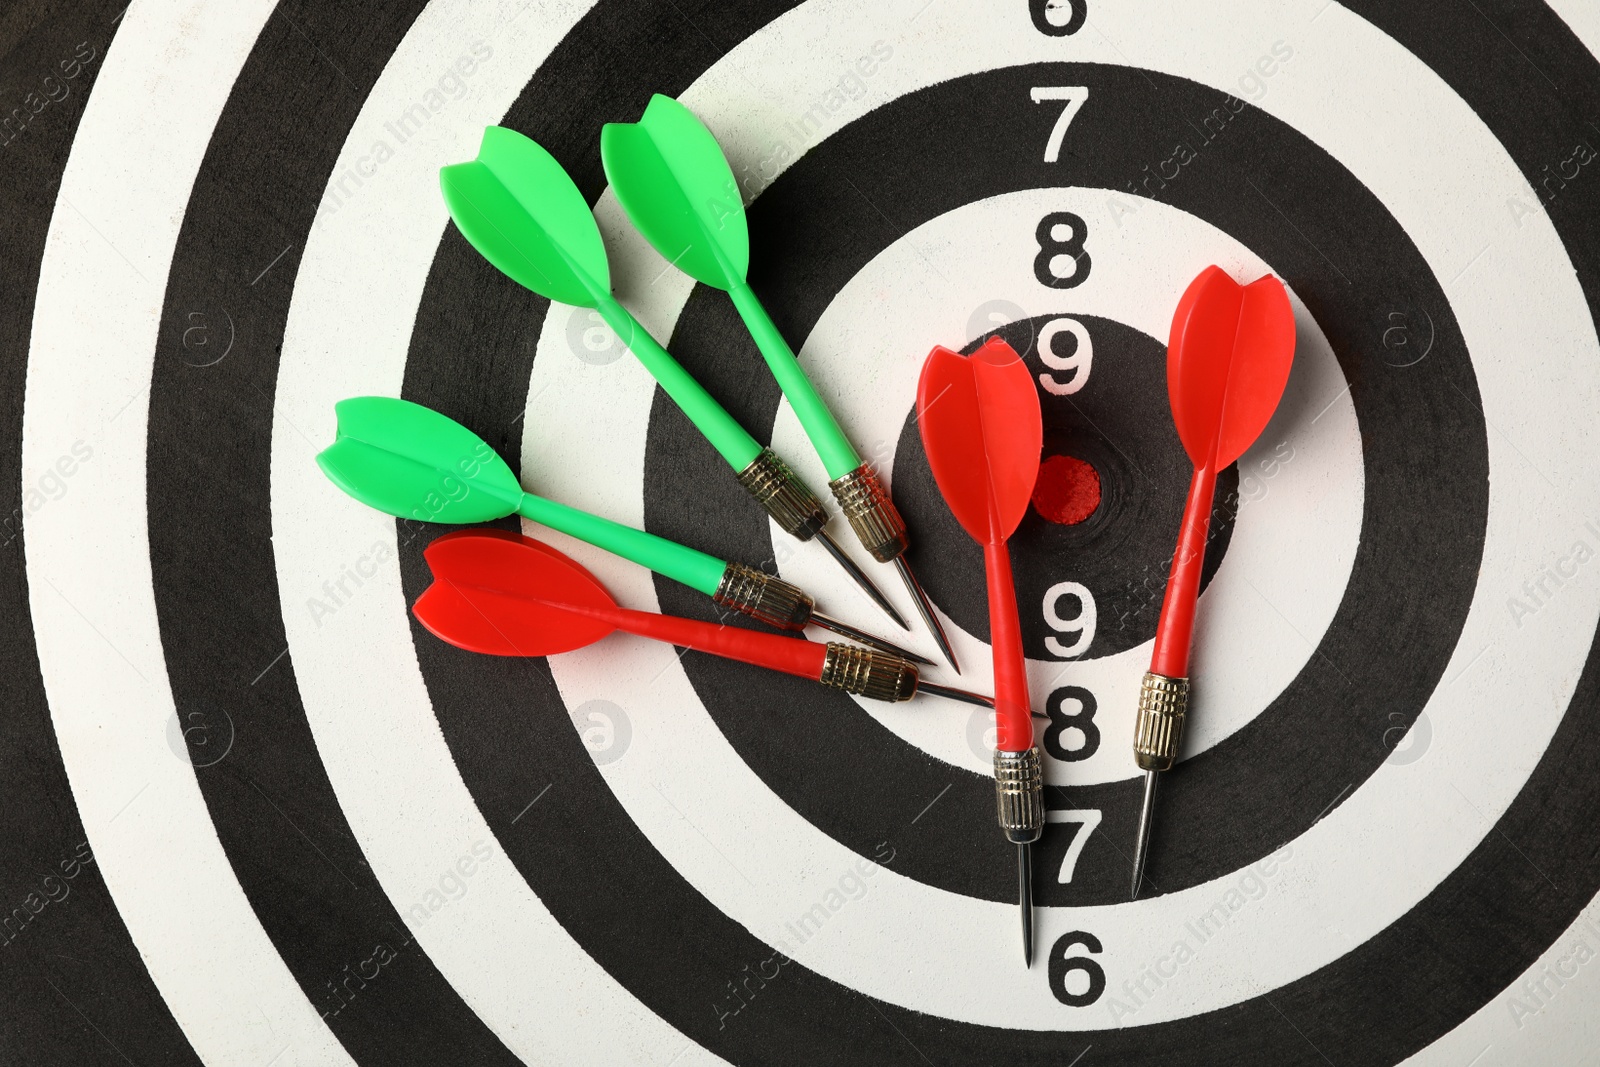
{"x": 1068, "y": 490}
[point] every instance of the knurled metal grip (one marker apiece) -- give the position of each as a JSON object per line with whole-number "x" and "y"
{"x": 872, "y": 514}
{"x": 764, "y": 597}
{"x": 1019, "y": 792}
{"x": 785, "y": 497}
{"x": 1159, "y": 728}
{"x": 869, "y": 673}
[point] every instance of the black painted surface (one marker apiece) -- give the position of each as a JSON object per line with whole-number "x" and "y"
{"x": 1123, "y": 550}
{"x": 1426, "y": 493}
{"x": 1390, "y": 997}
{"x": 216, "y": 589}
{"x": 73, "y": 988}
{"x": 511, "y": 735}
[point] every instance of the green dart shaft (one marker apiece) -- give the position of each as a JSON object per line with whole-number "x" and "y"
{"x": 524, "y": 214}
{"x": 746, "y": 590}
{"x": 730, "y": 439}
{"x": 522, "y": 211}
{"x": 835, "y": 450}
{"x": 681, "y": 563}
{"x": 673, "y": 180}
{"x": 413, "y": 462}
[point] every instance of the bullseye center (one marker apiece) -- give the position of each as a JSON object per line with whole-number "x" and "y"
{"x": 1068, "y": 490}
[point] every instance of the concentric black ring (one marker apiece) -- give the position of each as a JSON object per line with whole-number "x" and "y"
{"x": 210, "y": 521}
{"x": 638, "y": 917}
{"x": 75, "y": 979}
{"x": 682, "y": 953}
{"x": 1121, "y": 552}
{"x": 1426, "y": 492}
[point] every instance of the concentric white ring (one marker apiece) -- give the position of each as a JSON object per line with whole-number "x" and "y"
{"x": 1413, "y": 843}
{"x": 1263, "y": 614}
{"x": 360, "y": 280}
{"x": 141, "y": 140}
{"x": 1376, "y": 128}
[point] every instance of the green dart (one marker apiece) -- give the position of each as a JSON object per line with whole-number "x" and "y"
{"x": 521, "y": 210}
{"x": 675, "y": 184}
{"x": 414, "y": 463}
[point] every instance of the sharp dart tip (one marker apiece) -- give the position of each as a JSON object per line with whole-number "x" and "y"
{"x": 1025, "y": 900}
{"x": 925, "y": 609}
{"x": 950, "y": 692}
{"x": 859, "y": 576}
{"x": 1141, "y": 847}
{"x": 844, "y": 629}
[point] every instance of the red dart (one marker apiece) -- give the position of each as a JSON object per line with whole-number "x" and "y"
{"x": 983, "y": 433}
{"x": 507, "y": 595}
{"x": 1228, "y": 359}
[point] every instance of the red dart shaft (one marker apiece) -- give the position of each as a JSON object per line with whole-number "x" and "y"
{"x": 1175, "y": 630}
{"x": 1013, "y": 722}
{"x": 1228, "y": 359}
{"x": 1017, "y": 774}
{"x": 792, "y": 655}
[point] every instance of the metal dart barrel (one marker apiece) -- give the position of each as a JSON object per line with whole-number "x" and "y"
{"x": 881, "y": 676}
{"x": 799, "y": 513}
{"x": 882, "y": 532}
{"x": 1157, "y": 732}
{"x": 769, "y": 599}
{"x": 1228, "y": 359}
{"x": 1019, "y": 797}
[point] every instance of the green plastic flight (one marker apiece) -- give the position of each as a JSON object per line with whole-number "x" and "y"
{"x": 673, "y": 180}
{"x": 412, "y": 462}
{"x": 521, "y": 210}
{"x": 517, "y": 206}
{"x": 671, "y": 177}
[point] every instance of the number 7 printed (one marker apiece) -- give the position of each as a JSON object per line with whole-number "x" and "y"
{"x": 1075, "y": 96}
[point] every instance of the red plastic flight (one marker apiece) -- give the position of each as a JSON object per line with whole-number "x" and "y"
{"x": 983, "y": 432}
{"x": 502, "y": 594}
{"x": 1228, "y": 359}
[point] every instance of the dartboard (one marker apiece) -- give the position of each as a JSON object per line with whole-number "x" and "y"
{"x": 255, "y": 814}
